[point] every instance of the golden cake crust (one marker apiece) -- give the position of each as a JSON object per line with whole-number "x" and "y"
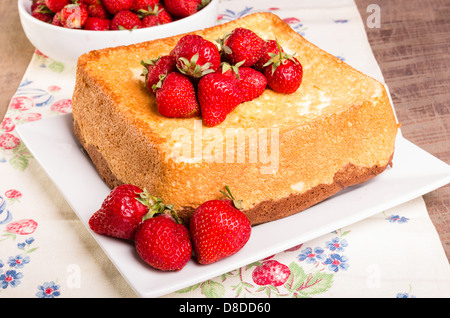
{"x": 337, "y": 130}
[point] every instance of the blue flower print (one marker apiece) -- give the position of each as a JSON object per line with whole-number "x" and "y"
{"x": 28, "y": 241}
{"x": 336, "y": 262}
{"x": 10, "y": 278}
{"x": 405, "y": 295}
{"x": 397, "y": 218}
{"x": 336, "y": 244}
{"x": 311, "y": 256}
{"x": 19, "y": 261}
{"x": 48, "y": 290}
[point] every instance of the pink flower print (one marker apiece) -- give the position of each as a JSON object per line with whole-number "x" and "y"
{"x": 21, "y": 103}
{"x": 291, "y": 20}
{"x": 271, "y": 272}
{"x": 63, "y": 106}
{"x": 40, "y": 53}
{"x": 29, "y": 117}
{"x": 8, "y": 141}
{"x": 7, "y": 125}
{"x": 54, "y": 88}
{"x": 22, "y": 227}
{"x": 13, "y": 195}
{"x": 294, "y": 248}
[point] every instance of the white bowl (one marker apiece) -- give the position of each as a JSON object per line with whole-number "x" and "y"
{"x": 66, "y": 45}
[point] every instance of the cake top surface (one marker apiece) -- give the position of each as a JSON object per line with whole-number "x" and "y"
{"x": 328, "y": 86}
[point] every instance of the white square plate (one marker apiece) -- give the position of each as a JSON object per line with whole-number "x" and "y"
{"x": 53, "y": 144}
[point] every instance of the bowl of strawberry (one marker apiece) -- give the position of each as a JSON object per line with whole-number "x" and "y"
{"x": 65, "y": 29}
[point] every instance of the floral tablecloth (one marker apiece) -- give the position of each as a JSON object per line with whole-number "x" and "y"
{"x": 46, "y": 252}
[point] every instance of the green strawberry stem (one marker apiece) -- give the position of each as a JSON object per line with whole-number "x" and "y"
{"x": 192, "y": 68}
{"x": 156, "y": 207}
{"x": 229, "y": 195}
{"x": 278, "y": 58}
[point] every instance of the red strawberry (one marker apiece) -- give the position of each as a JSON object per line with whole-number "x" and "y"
{"x": 37, "y": 3}
{"x": 181, "y": 8}
{"x": 115, "y": 6}
{"x": 271, "y": 272}
{"x": 218, "y": 229}
{"x": 154, "y": 16}
{"x": 154, "y": 69}
{"x": 284, "y": 73}
{"x": 271, "y": 48}
{"x": 56, "y": 5}
{"x": 88, "y": 2}
{"x": 163, "y": 16}
{"x": 97, "y": 10}
{"x": 43, "y": 13}
{"x": 74, "y": 16}
{"x": 187, "y": 40}
{"x": 251, "y": 82}
{"x": 125, "y": 20}
{"x": 163, "y": 243}
{"x": 143, "y": 4}
{"x": 57, "y": 19}
{"x": 196, "y": 56}
{"x": 121, "y": 212}
{"x": 242, "y": 45}
{"x": 97, "y": 24}
{"x": 175, "y": 96}
{"x": 218, "y": 95}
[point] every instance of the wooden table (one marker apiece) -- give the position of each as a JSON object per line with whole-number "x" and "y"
{"x": 411, "y": 45}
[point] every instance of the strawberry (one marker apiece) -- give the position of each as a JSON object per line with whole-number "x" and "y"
{"x": 97, "y": 10}
{"x": 57, "y": 19}
{"x": 218, "y": 229}
{"x": 218, "y": 95}
{"x": 97, "y": 24}
{"x": 163, "y": 16}
{"x": 115, "y": 6}
{"x": 196, "y": 56}
{"x": 251, "y": 82}
{"x": 154, "y": 69}
{"x": 163, "y": 242}
{"x": 56, "y": 5}
{"x": 154, "y": 16}
{"x": 242, "y": 45}
{"x": 284, "y": 73}
{"x": 175, "y": 96}
{"x": 74, "y": 16}
{"x": 42, "y": 12}
{"x": 181, "y": 8}
{"x": 88, "y": 2}
{"x": 38, "y": 3}
{"x": 121, "y": 212}
{"x": 271, "y": 47}
{"x": 149, "y": 21}
{"x": 143, "y": 4}
{"x": 271, "y": 272}
{"x": 125, "y": 20}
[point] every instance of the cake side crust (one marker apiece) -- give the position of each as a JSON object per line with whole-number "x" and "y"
{"x": 269, "y": 210}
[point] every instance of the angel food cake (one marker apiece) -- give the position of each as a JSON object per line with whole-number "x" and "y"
{"x": 279, "y": 153}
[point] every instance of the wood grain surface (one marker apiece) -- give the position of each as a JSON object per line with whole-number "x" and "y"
{"x": 411, "y": 45}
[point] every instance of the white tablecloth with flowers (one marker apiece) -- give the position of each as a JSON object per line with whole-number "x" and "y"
{"x": 45, "y": 251}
